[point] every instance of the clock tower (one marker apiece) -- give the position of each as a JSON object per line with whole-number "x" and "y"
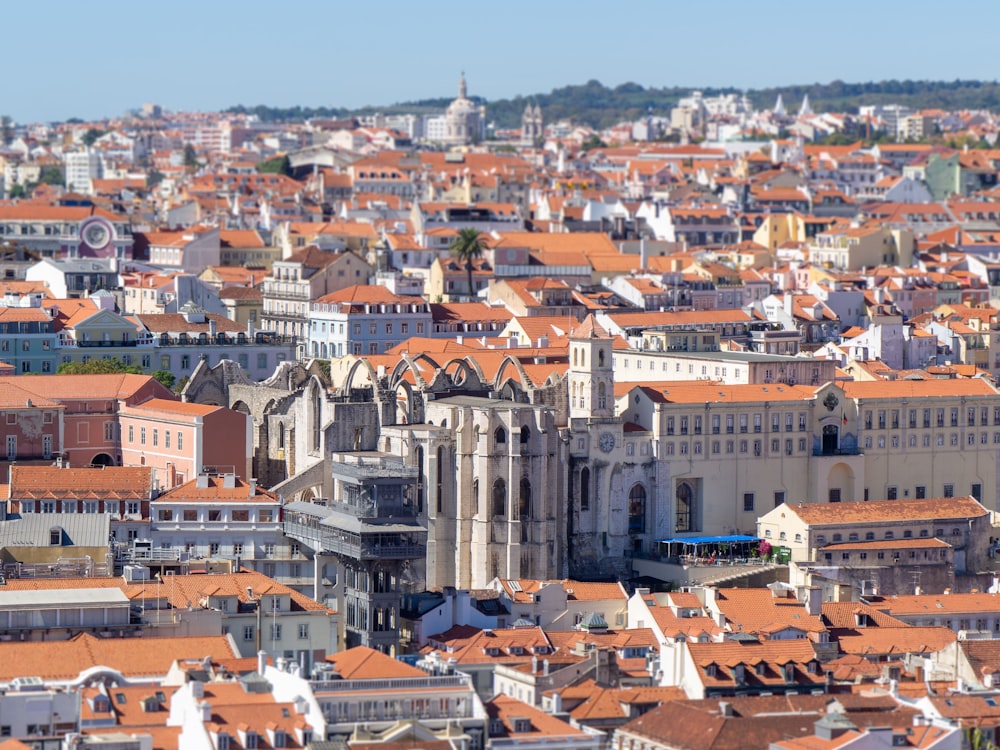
{"x": 591, "y": 376}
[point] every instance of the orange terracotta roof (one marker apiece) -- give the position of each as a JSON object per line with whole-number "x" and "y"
{"x": 65, "y": 660}
{"x": 120, "y": 482}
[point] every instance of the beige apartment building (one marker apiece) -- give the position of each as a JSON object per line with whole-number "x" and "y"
{"x": 732, "y": 452}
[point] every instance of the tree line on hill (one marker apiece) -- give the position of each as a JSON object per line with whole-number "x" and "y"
{"x": 600, "y": 106}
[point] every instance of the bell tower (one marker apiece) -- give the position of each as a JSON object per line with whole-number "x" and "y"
{"x": 590, "y": 376}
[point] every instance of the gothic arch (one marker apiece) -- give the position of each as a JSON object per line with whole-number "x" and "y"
{"x": 522, "y": 375}
{"x": 404, "y": 402}
{"x": 358, "y": 364}
{"x": 460, "y": 372}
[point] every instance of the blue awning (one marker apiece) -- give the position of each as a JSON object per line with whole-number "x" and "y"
{"x": 696, "y": 540}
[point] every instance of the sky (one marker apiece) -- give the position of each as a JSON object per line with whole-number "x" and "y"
{"x": 99, "y": 59}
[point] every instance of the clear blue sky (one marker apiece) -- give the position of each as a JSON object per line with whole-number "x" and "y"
{"x": 70, "y": 59}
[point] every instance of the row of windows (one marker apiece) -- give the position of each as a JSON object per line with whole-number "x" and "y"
{"x": 791, "y": 447}
{"x": 939, "y": 533}
{"x": 167, "y": 361}
{"x": 889, "y": 419}
{"x": 156, "y": 437}
{"x": 131, "y": 507}
{"x": 388, "y": 328}
{"x": 925, "y": 440}
{"x": 263, "y": 515}
{"x": 912, "y": 554}
{"x": 249, "y": 632}
{"x": 694, "y": 425}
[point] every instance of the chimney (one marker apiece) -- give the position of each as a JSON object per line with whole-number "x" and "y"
{"x": 643, "y": 253}
{"x": 814, "y": 600}
{"x": 726, "y": 709}
{"x": 545, "y": 667}
{"x": 206, "y": 711}
{"x": 253, "y": 487}
{"x": 212, "y": 328}
{"x": 261, "y": 658}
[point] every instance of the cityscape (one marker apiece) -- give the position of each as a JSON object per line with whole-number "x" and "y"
{"x": 613, "y": 418}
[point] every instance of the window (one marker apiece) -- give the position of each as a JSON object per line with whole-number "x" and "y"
{"x": 237, "y": 548}
{"x": 637, "y": 509}
{"x": 949, "y": 490}
{"x": 977, "y": 491}
{"x": 142, "y": 436}
{"x": 303, "y": 631}
{"x": 166, "y": 439}
{"x": 747, "y": 502}
{"x": 190, "y": 514}
{"x": 890, "y": 493}
{"x": 131, "y": 433}
{"x": 779, "y": 498}
{"x": 180, "y": 441}
{"x": 920, "y": 492}
{"x": 248, "y": 632}
{"x": 156, "y": 438}
{"x": 276, "y": 632}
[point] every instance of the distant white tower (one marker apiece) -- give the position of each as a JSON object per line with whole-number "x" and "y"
{"x": 779, "y": 107}
{"x": 805, "y": 110}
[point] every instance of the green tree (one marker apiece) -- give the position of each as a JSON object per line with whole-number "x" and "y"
{"x": 154, "y": 178}
{"x": 166, "y": 377}
{"x": 97, "y": 367}
{"x": 90, "y": 137}
{"x": 592, "y": 143}
{"x": 190, "y": 156}
{"x": 51, "y": 175}
{"x": 17, "y": 191}
{"x": 181, "y": 384}
{"x": 467, "y": 247}
{"x": 277, "y": 165}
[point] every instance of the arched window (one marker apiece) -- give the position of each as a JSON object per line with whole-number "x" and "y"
{"x": 317, "y": 418}
{"x": 602, "y": 396}
{"x": 684, "y": 520}
{"x": 420, "y": 480}
{"x": 475, "y": 496}
{"x": 500, "y": 436}
{"x": 600, "y": 358}
{"x": 440, "y": 479}
{"x": 524, "y": 503}
{"x": 525, "y": 435}
{"x": 281, "y": 436}
{"x": 576, "y": 353}
{"x": 585, "y": 488}
{"x": 637, "y": 509}
{"x": 499, "y": 498}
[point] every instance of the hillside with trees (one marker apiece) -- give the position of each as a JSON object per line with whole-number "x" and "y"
{"x": 592, "y": 103}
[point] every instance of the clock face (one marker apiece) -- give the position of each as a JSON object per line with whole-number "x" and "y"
{"x": 96, "y": 233}
{"x": 607, "y": 442}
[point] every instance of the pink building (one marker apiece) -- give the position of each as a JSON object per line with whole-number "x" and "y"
{"x": 89, "y": 405}
{"x": 182, "y": 440}
{"x": 31, "y": 426}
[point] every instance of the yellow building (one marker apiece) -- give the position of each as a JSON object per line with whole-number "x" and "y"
{"x": 780, "y": 228}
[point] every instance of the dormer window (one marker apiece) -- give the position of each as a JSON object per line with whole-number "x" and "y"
{"x": 761, "y": 668}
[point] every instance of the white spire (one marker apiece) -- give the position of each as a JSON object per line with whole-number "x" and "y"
{"x": 805, "y": 110}
{"x": 779, "y": 107}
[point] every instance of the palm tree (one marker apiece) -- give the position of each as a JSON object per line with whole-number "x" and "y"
{"x": 467, "y": 247}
